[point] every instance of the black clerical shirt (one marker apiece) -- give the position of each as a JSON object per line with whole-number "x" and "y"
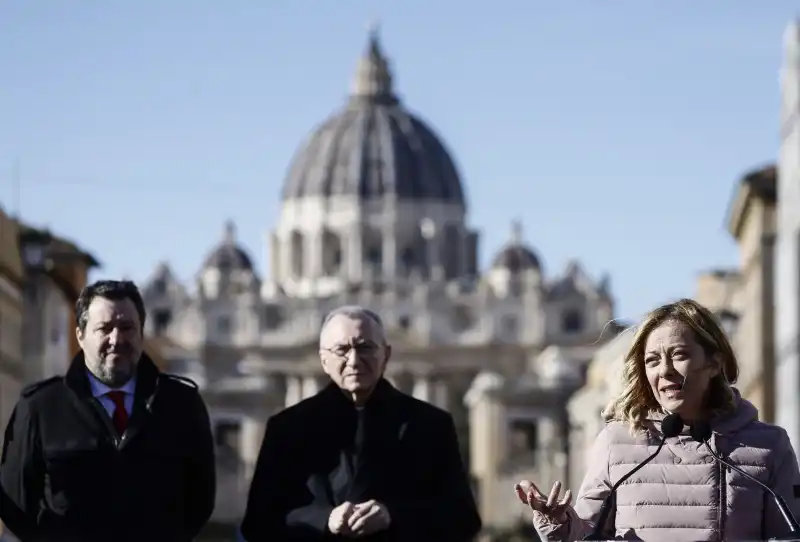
{"x": 397, "y": 450}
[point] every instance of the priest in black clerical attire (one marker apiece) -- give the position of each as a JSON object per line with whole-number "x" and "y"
{"x": 360, "y": 459}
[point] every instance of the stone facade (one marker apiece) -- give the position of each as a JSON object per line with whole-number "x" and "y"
{"x": 750, "y": 308}
{"x": 12, "y": 369}
{"x": 46, "y": 329}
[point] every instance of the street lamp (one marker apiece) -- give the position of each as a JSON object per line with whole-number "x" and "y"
{"x": 41, "y": 254}
{"x": 38, "y": 258}
{"x": 33, "y": 256}
{"x": 36, "y": 250}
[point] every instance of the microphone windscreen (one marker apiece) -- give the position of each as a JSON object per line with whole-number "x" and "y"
{"x": 700, "y": 431}
{"x": 671, "y": 425}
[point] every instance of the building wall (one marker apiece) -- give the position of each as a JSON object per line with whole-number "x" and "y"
{"x": 47, "y": 328}
{"x": 787, "y": 272}
{"x": 718, "y": 288}
{"x": 59, "y": 332}
{"x": 51, "y": 290}
{"x": 11, "y": 364}
{"x": 753, "y": 226}
{"x": 488, "y": 436}
{"x": 75, "y": 273}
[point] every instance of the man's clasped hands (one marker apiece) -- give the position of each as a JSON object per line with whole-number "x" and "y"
{"x": 356, "y": 520}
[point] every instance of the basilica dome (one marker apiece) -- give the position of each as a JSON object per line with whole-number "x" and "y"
{"x": 374, "y": 148}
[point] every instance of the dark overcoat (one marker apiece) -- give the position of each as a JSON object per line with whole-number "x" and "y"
{"x": 412, "y": 465}
{"x": 66, "y": 475}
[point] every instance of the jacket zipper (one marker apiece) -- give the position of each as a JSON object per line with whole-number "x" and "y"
{"x": 117, "y": 439}
{"x": 723, "y": 497}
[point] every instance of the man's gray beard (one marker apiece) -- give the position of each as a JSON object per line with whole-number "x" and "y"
{"x": 113, "y": 377}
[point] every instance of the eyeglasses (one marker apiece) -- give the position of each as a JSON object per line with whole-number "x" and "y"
{"x": 367, "y": 350}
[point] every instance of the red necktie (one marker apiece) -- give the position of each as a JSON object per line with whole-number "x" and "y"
{"x": 120, "y": 416}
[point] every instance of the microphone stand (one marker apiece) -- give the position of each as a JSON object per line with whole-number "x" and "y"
{"x": 786, "y": 512}
{"x": 605, "y": 510}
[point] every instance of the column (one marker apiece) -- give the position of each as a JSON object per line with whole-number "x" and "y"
{"x": 314, "y": 254}
{"x": 462, "y": 253}
{"x": 434, "y": 241}
{"x": 488, "y": 444}
{"x": 250, "y": 437}
{"x": 310, "y": 386}
{"x": 787, "y": 250}
{"x": 294, "y": 390}
{"x": 422, "y": 389}
{"x": 562, "y": 461}
{"x": 550, "y": 448}
{"x": 441, "y": 394}
{"x": 354, "y": 254}
{"x": 389, "y": 250}
{"x": 276, "y": 256}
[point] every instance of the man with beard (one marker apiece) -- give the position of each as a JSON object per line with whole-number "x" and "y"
{"x": 113, "y": 450}
{"x": 360, "y": 459}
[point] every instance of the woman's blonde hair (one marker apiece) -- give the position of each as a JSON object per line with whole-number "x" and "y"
{"x": 636, "y": 401}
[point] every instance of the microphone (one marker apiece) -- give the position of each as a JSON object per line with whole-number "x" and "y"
{"x": 701, "y": 432}
{"x": 671, "y": 426}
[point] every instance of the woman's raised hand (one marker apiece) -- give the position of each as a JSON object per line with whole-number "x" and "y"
{"x": 547, "y": 509}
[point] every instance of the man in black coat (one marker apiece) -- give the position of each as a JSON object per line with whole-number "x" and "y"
{"x": 360, "y": 459}
{"x": 115, "y": 449}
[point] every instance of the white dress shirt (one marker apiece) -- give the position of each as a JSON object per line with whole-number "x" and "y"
{"x": 100, "y": 391}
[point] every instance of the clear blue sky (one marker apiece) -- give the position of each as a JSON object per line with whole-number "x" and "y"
{"x": 614, "y": 129}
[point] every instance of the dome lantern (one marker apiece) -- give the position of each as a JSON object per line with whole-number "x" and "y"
{"x": 373, "y": 80}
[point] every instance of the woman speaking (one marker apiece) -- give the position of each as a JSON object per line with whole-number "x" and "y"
{"x": 681, "y": 363}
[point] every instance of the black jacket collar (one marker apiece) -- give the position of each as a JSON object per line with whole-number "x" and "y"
{"x": 382, "y": 395}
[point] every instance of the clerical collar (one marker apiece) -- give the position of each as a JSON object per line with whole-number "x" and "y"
{"x": 383, "y": 390}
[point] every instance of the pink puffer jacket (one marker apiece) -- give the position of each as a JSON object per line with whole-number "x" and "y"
{"x": 683, "y": 494}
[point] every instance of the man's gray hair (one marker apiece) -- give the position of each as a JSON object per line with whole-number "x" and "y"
{"x": 353, "y": 311}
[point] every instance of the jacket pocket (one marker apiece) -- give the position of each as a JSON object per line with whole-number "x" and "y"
{"x": 71, "y": 472}
{"x": 161, "y": 479}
